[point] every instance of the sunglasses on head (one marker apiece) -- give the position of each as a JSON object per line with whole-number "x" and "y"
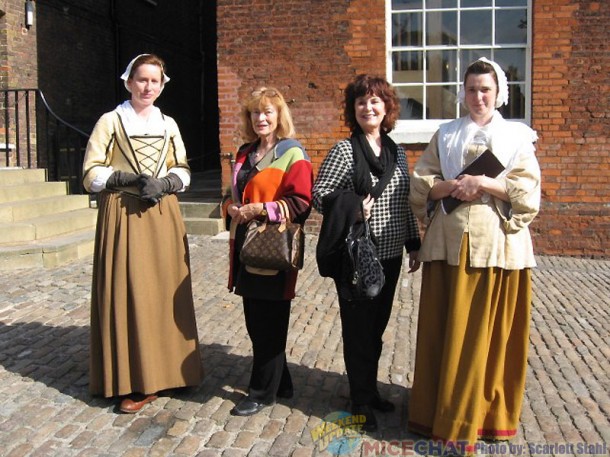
{"x": 265, "y": 92}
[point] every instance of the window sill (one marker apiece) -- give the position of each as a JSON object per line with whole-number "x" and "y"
{"x": 416, "y": 132}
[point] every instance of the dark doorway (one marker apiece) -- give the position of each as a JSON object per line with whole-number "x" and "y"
{"x": 210, "y": 115}
{"x": 83, "y": 47}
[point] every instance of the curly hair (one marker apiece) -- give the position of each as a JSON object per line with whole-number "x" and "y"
{"x": 371, "y": 85}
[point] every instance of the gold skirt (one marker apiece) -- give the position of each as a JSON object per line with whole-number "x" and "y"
{"x": 143, "y": 329}
{"x": 471, "y": 355}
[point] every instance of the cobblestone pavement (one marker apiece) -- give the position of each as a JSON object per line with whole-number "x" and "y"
{"x": 45, "y": 409}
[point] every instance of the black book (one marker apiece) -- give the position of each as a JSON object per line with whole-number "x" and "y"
{"x": 486, "y": 164}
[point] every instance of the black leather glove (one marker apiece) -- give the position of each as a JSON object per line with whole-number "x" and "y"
{"x": 121, "y": 179}
{"x": 152, "y": 189}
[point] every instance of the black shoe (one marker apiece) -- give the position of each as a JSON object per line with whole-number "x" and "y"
{"x": 370, "y": 422}
{"x": 383, "y": 405}
{"x": 247, "y": 407}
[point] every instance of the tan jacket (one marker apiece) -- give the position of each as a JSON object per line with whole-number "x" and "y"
{"x": 498, "y": 231}
{"x": 110, "y": 146}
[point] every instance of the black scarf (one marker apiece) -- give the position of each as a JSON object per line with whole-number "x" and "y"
{"x": 366, "y": 162}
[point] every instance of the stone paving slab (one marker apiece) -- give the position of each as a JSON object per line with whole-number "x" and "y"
{"x": 45, "y": 408}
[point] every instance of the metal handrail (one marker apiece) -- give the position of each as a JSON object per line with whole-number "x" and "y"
{"x": 67, "y": 124}
{"x": 49, "y": 141}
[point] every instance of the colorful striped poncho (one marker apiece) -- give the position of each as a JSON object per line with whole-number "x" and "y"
{"x": 286, "y": 175}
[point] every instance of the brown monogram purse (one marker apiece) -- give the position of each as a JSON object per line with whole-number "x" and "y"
{"x": 274, "y": 245}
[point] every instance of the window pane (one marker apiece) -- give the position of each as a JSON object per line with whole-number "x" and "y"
{"x": 511, "y": 26}
{"x": 441, "y": 101}
{"x": 510, "y": 2}
{"x": 512, "y": 62}
{"x": 431, "y": 66}
{"x": 411, "y": 102}
{"x": 408, "y": 66}
{"x": 442, "y": 66}
{"x": 441, "y": 28}
{"x": 431, "y": 4}
{"x": 406, "y": 4}
{"x": 516, "y": 102}
{"x": 475, "y": 27}
{"x": 407, "y": 29}
{"x": 467, "y": 56}
{"x": 475, "y": 3}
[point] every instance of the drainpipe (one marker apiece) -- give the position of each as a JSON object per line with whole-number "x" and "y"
{"x": 117, "y": 42}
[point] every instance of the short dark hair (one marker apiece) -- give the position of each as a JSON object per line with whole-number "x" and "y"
{"x": 481, "y": 67}
{"x": 371, "y": 85}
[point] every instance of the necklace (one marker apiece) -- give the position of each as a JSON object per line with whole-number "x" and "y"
{"x": 262, "y": 152}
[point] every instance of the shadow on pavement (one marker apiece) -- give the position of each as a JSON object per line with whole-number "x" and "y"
{"x": 58, "y": 357}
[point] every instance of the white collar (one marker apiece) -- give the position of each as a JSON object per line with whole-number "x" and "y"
{"x": 154, "y": 124}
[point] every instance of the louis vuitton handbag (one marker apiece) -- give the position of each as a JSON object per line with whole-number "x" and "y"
{"x": 274, "y": 245}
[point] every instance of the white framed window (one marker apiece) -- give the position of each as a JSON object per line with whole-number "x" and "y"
{"x": 430, "y": 44}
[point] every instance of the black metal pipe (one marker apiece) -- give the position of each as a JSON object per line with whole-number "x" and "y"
{"x": 17, "y": 137}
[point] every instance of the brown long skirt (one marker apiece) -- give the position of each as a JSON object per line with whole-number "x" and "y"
{"x": 471, "y": 355}
{"x": 143, "y": 329}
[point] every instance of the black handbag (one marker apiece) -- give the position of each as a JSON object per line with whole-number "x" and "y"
{"x": 364, "y": 277}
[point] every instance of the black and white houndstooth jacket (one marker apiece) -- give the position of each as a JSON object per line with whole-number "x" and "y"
{"x": 392, "y": 221}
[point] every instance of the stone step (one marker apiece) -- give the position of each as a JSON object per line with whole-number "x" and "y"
{"x": 27, "y": 209}
{"x": 25, "y": 191}
{"x": 40, "y": 225}
{"x": 203, "y": 225}
{"x": 40, "y": 228}
{"x": 58, "y": 250}
{"x": 13, "y": 176}
{"x": 198, "y": 210}
{"x": 48, "y": 253}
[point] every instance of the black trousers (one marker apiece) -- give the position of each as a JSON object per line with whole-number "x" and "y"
{"x": 363, "y": 323}
{"x": 267, "y": 324}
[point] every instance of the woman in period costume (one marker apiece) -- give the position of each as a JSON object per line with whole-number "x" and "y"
{"x": 370, "y": 170}
{"x": 143, "y": 329}
{"x": 272, "y": 180}
{"x": 474, "y": 313}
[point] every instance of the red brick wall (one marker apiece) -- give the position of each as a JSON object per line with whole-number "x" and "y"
{"x": 311, "y": 49}
{"x": 570, "y": 102}
{"x": 17, "y": 47}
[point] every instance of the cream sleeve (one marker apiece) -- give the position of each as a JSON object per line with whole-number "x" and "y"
{"x": 426, "y": 173}
{"x": 98, "y": 155}
{"x": 523, "y": 189}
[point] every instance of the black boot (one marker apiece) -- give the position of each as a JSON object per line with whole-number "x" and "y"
{"x": 370, "y": 421}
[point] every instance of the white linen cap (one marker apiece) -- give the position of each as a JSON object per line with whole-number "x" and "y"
{"x": 125, "y": 75}
{"x": 502, "y": 98}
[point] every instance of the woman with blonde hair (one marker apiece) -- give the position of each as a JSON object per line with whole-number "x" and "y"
{"x": 271, "y": 181}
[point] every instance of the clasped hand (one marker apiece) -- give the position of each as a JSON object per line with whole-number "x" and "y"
{"x": 467, "y": 188}
{"x": 244, "y": 213}
{"x": 151, "y": 189}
